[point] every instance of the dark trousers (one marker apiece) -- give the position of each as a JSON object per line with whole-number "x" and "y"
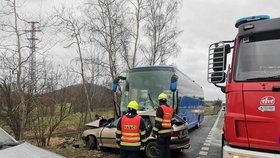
{"x": 129, "y": 153}
{"x": 163, "y": 147}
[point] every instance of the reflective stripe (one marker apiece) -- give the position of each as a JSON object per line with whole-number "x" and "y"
{"x": 131, "y": 144}
{"x": 130, "y": 129}
{"x": 118, "y": 132}
{"x": 155, "y": 129}
{"x": 143, "y": 132}
{"x": 130, "y": 138}
{"x": 158, "y": 119}
{"x": 166, "y": 125}
{"x": 165, "y": 131}
{"x": 130, "y": 134}
{"x": 166, "y": 121}
{"x": 143, "y": 140}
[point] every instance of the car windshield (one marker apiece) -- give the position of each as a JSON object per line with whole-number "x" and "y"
{"x": 5, "y": 138}
{"x": 258, "y": 58}
{"x": 115, "y": 123}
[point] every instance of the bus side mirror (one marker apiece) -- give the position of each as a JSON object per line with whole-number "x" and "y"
{"x": 116, "y": 82}
{"x": 114, "y": 87}
{"x": 173, "y": 84}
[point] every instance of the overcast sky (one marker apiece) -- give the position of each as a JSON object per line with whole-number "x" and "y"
{"x": 203, "y": 22}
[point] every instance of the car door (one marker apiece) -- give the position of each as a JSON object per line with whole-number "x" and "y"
{"x": 108, "y": 136}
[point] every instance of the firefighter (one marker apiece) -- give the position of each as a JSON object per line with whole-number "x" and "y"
{"x": 131, "y": 132}
{"x": 163, "y": 126}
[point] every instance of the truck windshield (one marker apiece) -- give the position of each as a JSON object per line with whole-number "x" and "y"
{"x": 144, "y": 86}
{"x": 258, "y": 59}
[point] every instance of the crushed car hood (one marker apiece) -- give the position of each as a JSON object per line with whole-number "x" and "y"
{"x": 93, "y": 123}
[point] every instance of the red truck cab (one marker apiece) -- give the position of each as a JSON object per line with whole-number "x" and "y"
{"x": 252, "y": 116}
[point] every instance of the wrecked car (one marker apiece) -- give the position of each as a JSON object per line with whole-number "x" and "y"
{"x": 102, "y": 134}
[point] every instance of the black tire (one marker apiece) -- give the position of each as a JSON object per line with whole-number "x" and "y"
{"x": 176, "y": 152}
{"x": 91, "y": 143}
{"x": 151, "y": 149}
{"x": 223, "y": 144}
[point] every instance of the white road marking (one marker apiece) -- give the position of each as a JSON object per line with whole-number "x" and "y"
{"x": 203, "y": 153}
{"x": 208, "y": 141}
{"x": 204, "y": 149}
{"x": 216, "y": 123}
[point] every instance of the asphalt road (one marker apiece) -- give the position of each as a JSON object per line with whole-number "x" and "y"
{"x": 205, "y": 141}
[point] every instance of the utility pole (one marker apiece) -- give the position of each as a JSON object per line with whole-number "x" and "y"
{"x": 32, "y": 56}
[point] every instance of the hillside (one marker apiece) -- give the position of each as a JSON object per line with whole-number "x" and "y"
{"x": 100, "y": 96}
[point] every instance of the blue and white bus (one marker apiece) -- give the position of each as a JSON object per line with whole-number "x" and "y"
{"x": 144, "y": 84}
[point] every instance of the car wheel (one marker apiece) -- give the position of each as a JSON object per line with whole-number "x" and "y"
{"x": 91, "y": 143}
{"x": 151, "y": 149}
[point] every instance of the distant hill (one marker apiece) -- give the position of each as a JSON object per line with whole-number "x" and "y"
{"x": 100, "y": 96}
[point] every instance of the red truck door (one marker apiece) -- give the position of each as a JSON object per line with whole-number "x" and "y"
{"x": 262, "y": 113}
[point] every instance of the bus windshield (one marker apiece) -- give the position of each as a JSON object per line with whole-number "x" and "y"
{"x": 258, "y": 60}
{"x": 144, "y": 86}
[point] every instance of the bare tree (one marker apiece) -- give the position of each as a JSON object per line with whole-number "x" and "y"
{"x": 15, "y": 77}
{"x": 105, "y": 25}
{"x": 8, "y": 105}
{"x": 139, "y": 7}
{"x": 52, "y": 106}
{"x": 11, "y": 28}
{"x": 72, "y": 27}
{"x": 161, "y": 31}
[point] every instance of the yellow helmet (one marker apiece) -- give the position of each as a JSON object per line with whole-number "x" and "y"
{"x": 162, "y": 96}
{"x": 133, "y": 104}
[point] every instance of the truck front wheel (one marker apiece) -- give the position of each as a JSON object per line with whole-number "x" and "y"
{"x": 223, "y": 144}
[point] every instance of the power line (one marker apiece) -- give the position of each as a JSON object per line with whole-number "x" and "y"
{"x": 32, "y": 61}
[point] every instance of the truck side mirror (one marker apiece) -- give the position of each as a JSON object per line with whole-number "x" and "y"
{"x": 218, "y": 77}
{"x": 217, "y": 59}
{"x": 220, "y": 57}
{"x": 173, "y": 83}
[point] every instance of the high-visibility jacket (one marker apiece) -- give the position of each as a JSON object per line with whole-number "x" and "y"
{"x": 164, "y": 119}
{"x": 167, "y": 116}
{"x": 130, "y": 131}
